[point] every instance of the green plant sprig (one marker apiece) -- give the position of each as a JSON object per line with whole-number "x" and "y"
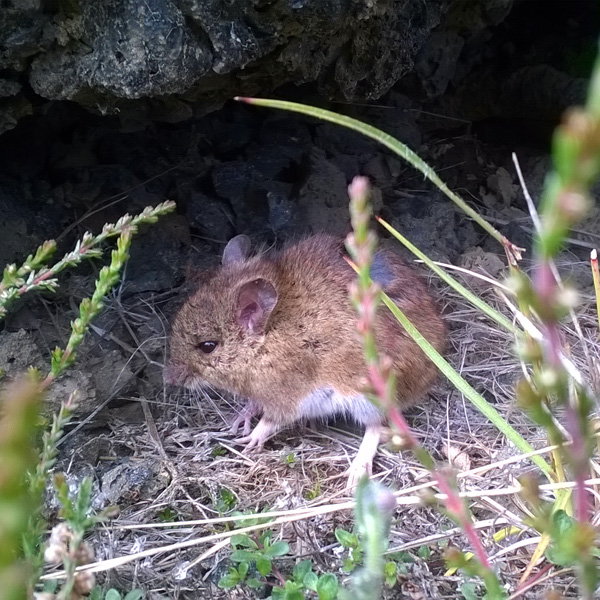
{"x": 565, "y": 201}
{"x": 125, "y": 227}
{"x": 34, "y": 274}
{"x": 366, "y": 296}
{"x": 38, "y": 480}
{"x": 66, "y": 543}
{"x": 375, "y": 506}
{"x": 18, "y": 425}
{"x": 90, "y": 307}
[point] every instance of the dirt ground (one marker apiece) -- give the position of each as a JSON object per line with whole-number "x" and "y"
{"x": 165, "y": 457}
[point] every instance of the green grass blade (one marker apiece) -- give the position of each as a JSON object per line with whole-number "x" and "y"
{"x": 476, "y": 301}
{"x": 462, "y": 386}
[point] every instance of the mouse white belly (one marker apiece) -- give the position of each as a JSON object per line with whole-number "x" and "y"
{"x": 327, "y": 402}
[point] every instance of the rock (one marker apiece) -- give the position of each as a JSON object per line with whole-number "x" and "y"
{"x": 21, "y": 31}
{"x": 437, "y": 229}
{"x": 111, "y": 373}
{"x": 18, "y": 352}
{"x": 211, "y": 216}
{"x": 72, "y": 381}
{"x": 502, "y": 185}
{"x": 323, "y": 200}
{"x": 97, "y": 53}
{"x": 484, "y": 263}
{"x": 378, "y": 170}
{"x": 74, "y": 480}
{"x": 436, "y": 63}
{"x": 154, "y": 263}
{"x": 131, "y": 480}
{"x": 283, "y": 211}
{"x": 109, "y": 53}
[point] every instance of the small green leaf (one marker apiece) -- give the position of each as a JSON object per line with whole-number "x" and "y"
{"x": 254, "y": 583}
{"x": 62, "y": 492}
{"x": 244, "y": 540}
{"x": 356, "y": 555}
{"x": 346, "y": 539}
{"x": 277, "y": 549}
{"x": 134, "y": 595}
{"x": 56, "y": 360}
{"x": 424, "y": 552}
{"x": 292, "y": 591}
{"x": 265, "y": 538}
{"x": 277, "y": 593}
{"x": 52, "y": 585}
{"x": 83, "y": 500}
{"x": 168, "y": 515}
{"x": 348, "y": 565}
{"x": 301, "y": 570}
{"x": 230, "y": 580}
{"x": 327, "y": 587}
{"x": 390, "y": 572}
{"x": 263, "y": 565}
{"x": 564, "y": 550}
{"x": 243, "y": 570}
{"x": 558, "y": 556}
{"x": 226, "y": 500}
{"x": 563, "y": 523}
{"x": 469, "y": 591}
{"x": 112, "y": 594}
{"x": 95, "y": 594}
{"x": 244, "y": 556}
{"x": 243, "y": 522}
{"x": 403, "y": 557}
{"x": 311, "y": 581}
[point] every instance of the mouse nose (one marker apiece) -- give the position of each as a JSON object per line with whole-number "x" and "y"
{"x": 174, "y": 374}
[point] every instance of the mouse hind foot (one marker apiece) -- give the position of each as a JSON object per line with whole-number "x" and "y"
{"x": 363, "y": 461}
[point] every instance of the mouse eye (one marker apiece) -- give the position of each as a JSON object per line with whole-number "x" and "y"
{"x": 206, "y": 347}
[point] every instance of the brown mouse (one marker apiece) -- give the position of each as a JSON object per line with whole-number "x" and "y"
{"x": 279, "y": 329}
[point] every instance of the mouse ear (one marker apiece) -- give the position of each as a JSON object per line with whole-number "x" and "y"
{"x": 255, "y": 303}
{"x": 237, "y": 250}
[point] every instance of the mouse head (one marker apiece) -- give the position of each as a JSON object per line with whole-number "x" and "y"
{"x": 219, "y": 330}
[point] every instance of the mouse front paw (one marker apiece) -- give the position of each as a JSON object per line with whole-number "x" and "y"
{"x": 260, "y": 434}
{"x": 250, "y": 410}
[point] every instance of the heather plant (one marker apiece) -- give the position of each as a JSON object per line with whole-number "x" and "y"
{"x": 553, "y": 385}
{"x": 366, "y": 296}
{"x": 25, "y": 468}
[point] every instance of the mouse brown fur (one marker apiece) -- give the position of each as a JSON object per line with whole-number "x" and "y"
{"x": 279, "y": 329}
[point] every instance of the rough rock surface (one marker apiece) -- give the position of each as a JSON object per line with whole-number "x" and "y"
{"x": 155, "y": 58}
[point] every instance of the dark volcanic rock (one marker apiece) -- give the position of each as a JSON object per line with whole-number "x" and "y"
{"x": 125, "y": 49}
{"x": 154, "y": 58}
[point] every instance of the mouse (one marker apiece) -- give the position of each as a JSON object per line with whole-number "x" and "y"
{"x": 278, "y": 328}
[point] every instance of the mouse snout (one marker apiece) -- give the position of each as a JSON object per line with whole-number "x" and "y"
{"x": 175, "y": 373}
